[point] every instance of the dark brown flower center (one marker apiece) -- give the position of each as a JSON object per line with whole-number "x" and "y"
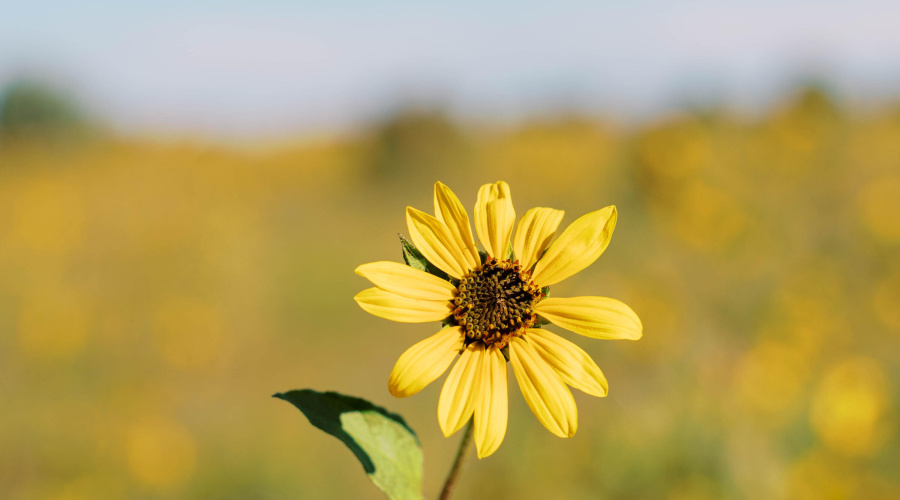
{"x": 496, "y": 302}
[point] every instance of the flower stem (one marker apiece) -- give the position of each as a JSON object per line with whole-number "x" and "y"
{"x": 457, "y": 464}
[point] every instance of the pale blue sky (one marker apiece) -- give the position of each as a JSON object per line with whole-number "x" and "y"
{"x": 277, "y": 67}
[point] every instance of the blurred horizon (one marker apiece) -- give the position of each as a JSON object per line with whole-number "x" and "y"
{"x": 181, "y": 68}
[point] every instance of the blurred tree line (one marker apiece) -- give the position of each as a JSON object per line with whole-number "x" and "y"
{"x": 32, "y": 111}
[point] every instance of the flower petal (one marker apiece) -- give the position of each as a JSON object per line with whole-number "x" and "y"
{"x": 450, "y": 211}
{"x": 595, "y": 317}
{"x": 424, "y": 362}
{"x": 533, "y": 234}
{"x": 577, "y": 247}
{"x": 434, "y": 240}
{"x": 394, "y": 307}
{"x": 460, "y": 391}
{"x": 494, "y": 218}
{"x": 406, "y": 281}
{"x": 575, "y": 366}
{"x": 543, "y": 389}
{"x": 492, "y": 406}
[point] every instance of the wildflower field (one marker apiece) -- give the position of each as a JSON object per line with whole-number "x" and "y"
{"x": 154, "y": 293}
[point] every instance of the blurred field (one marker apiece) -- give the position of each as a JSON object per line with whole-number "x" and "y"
{"x": 154, "y": 294}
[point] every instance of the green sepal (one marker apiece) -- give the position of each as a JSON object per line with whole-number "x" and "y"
{"x": 387, "y": 448}
{"x": 414, "y": 259}
{"x": 505, "y": 352}
{"x": 509, "y": 254}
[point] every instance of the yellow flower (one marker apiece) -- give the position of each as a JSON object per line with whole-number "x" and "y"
{"x": 492, "y": 310}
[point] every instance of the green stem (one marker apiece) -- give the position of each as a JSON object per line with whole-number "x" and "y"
{"x": 457, "y": 464}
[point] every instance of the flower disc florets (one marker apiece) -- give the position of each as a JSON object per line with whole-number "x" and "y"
{"x": 496, "y": 302}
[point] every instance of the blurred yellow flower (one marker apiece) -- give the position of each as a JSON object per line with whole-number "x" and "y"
{"x": 54, "y": 322}
{"x": 879, "y": 208}
{"x": 161, "y": 452}
{"x": 821, "y": 475}
{"x": 768, "y": 379}
{"x": 885, "y": 298}
{"x": 491, "y": 309}
{"x": 848, "y": 408}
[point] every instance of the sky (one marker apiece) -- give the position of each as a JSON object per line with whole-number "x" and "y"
{"x": 270, "y": 67}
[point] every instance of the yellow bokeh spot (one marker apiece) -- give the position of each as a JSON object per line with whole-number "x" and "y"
{"x": 768, "y": 379}
{"x": 800, "y": 129}
{"x": 188, "y": 333}
{"x": 879, "y": 208}
{"x": 53, "y": 324}
{"x": 810, "y": 312}
{"x": 675, "y": 150}
{"x": 849, "y": 405}
{"x": 807, "y": 322}
{"x": 576, "y": 150}
{"x": 662, "y": 315}
{"x": 886, "y": 300}
{"x": 819, "y": 476}
{"x": 161, "y": 452}
{"x": 48, "y": 217}
{"x": 708, "y": 218}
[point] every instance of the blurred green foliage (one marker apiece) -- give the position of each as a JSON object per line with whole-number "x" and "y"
{"x": 413, "y": 142}
{"x": 30, "y": 110}
{"x": 153, "y": 295}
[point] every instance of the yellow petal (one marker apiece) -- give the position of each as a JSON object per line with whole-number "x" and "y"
{"x": 450, "y": 211}
{"x": 595, "y": 317}
{"x": 434, "y": 240}
{"x": 577, "y": 247}
{"x": 494, "y": 218}
{"x": 394, "y": 307}
{"x": 533, "y": 234}
{"x": 424, "y": 362}
{"x": 575, "y": 366}
{"x": 492, "y": 406}
{"x": 543, "y": 389}
{"x": 460, "y": 391}
{"x": 406, "y": 281}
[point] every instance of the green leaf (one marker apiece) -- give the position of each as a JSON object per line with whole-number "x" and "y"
{"x": 414, "y": 259}
{"x": 387, "y": 448}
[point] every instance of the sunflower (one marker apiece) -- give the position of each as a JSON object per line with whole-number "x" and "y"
{"x": 492, "y": 305}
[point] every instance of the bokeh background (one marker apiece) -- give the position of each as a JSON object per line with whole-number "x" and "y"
{"x": 185, "y": 190}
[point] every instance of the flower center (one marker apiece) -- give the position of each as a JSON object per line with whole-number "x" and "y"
{"x": 495, "y": 302}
